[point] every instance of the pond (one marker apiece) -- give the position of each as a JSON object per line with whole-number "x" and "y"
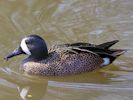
{"x": 67, "y": 21}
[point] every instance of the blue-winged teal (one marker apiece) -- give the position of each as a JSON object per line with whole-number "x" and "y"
{"x": 64, "y": 59}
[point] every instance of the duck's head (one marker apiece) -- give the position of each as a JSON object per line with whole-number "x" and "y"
{"x": 32, "y": 45}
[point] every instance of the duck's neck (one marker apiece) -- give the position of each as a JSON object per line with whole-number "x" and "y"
{"x": 39, "y": 56}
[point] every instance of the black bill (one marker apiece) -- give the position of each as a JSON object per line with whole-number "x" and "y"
{"x": 16, "y": 52}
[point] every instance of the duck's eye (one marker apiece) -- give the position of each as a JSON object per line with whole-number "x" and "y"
{"x": 28, "y": 42}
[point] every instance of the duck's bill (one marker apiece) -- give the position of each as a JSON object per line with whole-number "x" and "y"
{"x": 16, "y": 52}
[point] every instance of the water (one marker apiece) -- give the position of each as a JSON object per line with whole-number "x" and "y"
{"x": 67, "y": 21}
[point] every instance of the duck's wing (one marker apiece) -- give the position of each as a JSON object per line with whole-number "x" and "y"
{"x": 105, "y": 45}
{"x": 85, "y": 47}
{"x": 97, "y": 50}
{"x": 101, "y": 50}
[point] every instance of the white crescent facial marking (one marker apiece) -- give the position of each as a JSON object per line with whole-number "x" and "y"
{"x": 24, "y": 47}
{"x": 106, "y": 61}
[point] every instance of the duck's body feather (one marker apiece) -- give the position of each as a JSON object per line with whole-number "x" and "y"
{"x": 63, "y": 62}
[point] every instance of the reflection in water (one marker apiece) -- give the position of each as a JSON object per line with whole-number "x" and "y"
{"x": 67, "y": 21}
{"x": 79, "y": 91}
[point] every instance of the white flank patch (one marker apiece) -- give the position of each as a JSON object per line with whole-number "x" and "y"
{"x": 106, "y": 61}
{"x": 24, "y": 47}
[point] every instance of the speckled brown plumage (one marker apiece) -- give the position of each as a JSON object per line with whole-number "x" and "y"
{"x": 60, "y": 63}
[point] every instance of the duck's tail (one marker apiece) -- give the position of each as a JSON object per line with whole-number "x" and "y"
{"x": 118, "y": 52}
{"x": 109, "y": 58}
{"x": 107, "y": 45}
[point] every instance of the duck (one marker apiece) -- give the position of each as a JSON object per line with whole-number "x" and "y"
{"x": 63, "y": 59}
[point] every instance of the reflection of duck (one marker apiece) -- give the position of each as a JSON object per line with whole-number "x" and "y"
{"x": 64, "y": 59}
